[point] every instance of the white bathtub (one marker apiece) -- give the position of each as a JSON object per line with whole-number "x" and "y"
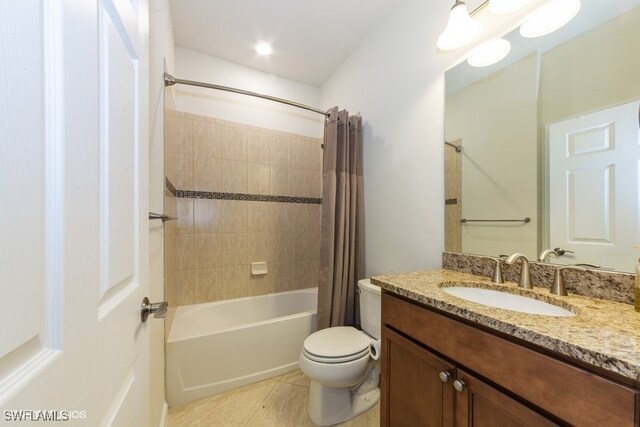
{"x": 214, "y": 347}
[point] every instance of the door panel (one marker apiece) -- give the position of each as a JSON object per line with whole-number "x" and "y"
{"x": 74, "y": 232}
{"x": 593, "y": 194}
{"x": 414, "y": 393}
{"x": 480, "y": 405}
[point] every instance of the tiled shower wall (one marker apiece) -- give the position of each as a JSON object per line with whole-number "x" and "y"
{"x": 219, "y": 239}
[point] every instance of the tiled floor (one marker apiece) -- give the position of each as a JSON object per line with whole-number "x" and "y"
{"x": 276, "y": 402}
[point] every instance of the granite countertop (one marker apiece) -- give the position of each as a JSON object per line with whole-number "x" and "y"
{"x": 605, "y": 334}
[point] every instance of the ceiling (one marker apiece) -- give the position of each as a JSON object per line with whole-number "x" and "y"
{"x": 310, "y": 38}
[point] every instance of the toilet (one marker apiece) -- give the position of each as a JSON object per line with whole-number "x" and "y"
{"x": 344, "y": 375}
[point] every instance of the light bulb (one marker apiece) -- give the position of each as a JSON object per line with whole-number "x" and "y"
{"x": 263, "y": 48}
{"x": 489, "y": 53}
{"x": 550, "y": 17}
{"x": 461, "y": 28}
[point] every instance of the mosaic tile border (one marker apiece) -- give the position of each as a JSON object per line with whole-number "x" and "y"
{"x": 188, "y": 194}
{"x": 448, "y": 202}
{"x": 169, "y": 186}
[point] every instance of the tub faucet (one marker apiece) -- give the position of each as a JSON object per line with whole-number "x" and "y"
{"x": 558, "y": 287}
{"x": 525, "y": 273}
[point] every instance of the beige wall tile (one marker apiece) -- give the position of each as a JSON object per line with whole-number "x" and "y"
{"x": 233, "y": 142}
{"x": 283, "y": 247}
{"x": 299, "y": 182}
{"x": 260, "y": 285}
{"x": 260, "y": 247}
{"x": 233, "y": 177}
{"x": 260, "y": 217}
{"x": 208, "y": 285}
{"x": 184, "y": 224}
{"x": 235, "y": 281}
{"x": 279, "y": 181}
{"x": 234, "y": 249}
{"x": 234, "y": 216}
{"x": 184, "y": 251}
{"x": 206, "y": 139}
{"x": 258, "y": 146}
{"x": 206, "y": 249}
{"x": 300, "y": 153}
{"x": 315, "y": 154}
{"x": 207, "y": 174}
{"x": 298, "y": 216}
{"x": 185, "y": 287}
{"x": 315, "y": 184}
{"x": 185, "y": 135}
{"x": 258, "y": 179}
{"x": 184, "y": 175}
{"x": 282, "y": 217}
{"x": 280, "y": 151}
{"x": 207, "y": 216}
{"x": 282, "y": 272}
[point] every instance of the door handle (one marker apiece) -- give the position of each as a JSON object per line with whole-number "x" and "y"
{"x": 158, "y": 309}
{"x": 163, "y": 217}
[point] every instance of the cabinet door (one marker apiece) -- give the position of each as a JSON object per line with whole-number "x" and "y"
{"x": 480, "y": 405}
{"x": 412, "y": 392}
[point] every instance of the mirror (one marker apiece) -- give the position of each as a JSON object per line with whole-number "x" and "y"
{"x": 550, "y": 144}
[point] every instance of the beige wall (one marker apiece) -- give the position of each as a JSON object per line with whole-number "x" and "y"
{"x": 593, "y": 71}
{"x": 496, "y": 119}
{"x": 218, "y": 239}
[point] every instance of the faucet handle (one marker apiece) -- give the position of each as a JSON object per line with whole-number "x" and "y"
{"x": 558, "y": 287}
{"x": 497, "y": 271}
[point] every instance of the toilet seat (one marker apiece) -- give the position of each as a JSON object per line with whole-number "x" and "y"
{"x": 336, "y": 345}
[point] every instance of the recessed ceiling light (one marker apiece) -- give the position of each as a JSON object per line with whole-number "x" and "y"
{"x": 263, "y": 48}
{"x": 549, "y": 18}
{"x": 489, "y": 53}
{"x": 502, "y": 7}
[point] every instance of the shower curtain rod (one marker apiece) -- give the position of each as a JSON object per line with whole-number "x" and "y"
{"x": 169, "y": 80}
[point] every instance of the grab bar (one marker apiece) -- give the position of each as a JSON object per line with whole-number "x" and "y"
{"x": 458, "y": 148}
{"x": 526, "y": 220}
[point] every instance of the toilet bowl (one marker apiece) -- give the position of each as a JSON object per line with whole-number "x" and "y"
{"x": 344, "y": 376}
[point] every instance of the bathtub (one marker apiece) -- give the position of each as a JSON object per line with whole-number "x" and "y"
{"x": 214, "y": 347}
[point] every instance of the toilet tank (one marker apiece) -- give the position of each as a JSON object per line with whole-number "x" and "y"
{"x": 370, "y": 310}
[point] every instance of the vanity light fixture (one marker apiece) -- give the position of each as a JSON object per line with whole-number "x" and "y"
{"x": 502, "y": 7}
{"x": 263, "y": 48}
{"x": 549, "y": 17}
{"x": 461, "y": 29}
{"x": 489, "y": 53}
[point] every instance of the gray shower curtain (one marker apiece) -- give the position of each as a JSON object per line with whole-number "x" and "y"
{"x": 342, "y": 237}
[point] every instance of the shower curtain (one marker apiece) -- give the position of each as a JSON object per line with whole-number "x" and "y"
{"x": 342, "y": 236}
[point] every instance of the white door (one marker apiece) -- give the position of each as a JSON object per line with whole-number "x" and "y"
{"x": 593, "y": 187}
{"x": 73, "y": 230}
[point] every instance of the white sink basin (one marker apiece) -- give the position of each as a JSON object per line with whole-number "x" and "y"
{"x": 507, "y": 301}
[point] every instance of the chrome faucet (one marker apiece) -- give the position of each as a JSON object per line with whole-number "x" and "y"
{"x": 525, "y": 273}
{"x": 545, "y": 254}
{"x": 558, "y": 287}
{"x": 497, "y": 271}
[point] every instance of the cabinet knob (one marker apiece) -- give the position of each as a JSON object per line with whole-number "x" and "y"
{"x": 459, "y": 385}
{"x": 444, "y": 376}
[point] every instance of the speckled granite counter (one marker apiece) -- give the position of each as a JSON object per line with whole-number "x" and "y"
{"x": 604, "y": 334}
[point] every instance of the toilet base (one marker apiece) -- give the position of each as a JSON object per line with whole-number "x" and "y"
{"x": 328, "y": 405}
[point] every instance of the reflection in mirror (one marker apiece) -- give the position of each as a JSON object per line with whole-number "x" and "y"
{"x": 550, "y": 133}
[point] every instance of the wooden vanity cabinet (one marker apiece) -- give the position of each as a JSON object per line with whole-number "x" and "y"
{"x": 491, "y": 381}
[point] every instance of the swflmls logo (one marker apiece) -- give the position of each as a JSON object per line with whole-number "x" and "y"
{"x": 48, "y": 415}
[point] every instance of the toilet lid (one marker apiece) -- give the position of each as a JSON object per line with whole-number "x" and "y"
{"x": 337, "y": 342}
